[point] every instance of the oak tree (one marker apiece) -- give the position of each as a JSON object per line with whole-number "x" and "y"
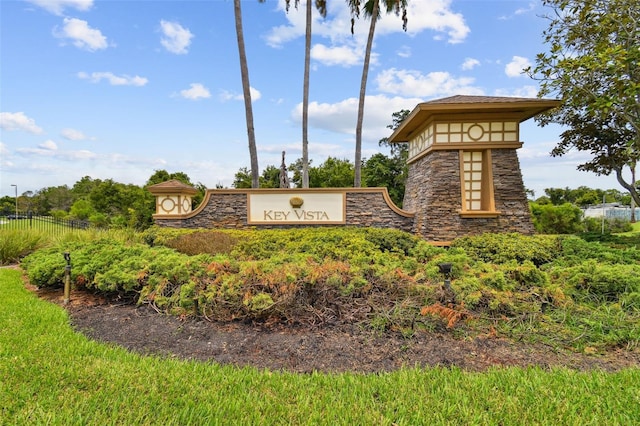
{"x": 592, "y": 65}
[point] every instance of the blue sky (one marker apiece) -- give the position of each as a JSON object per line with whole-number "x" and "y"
{"x": 119, "y": 89}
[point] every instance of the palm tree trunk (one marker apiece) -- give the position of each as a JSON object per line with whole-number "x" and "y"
{"x": 246, "y": 89}
{"x": 357, "y": 182}
{"x": 305, "y": 100}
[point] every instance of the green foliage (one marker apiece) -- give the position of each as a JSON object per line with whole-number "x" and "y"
{"x": 104, "y": 203}
{"x": 81, "y": 209}
{"x": 211, "y": 242}
{"x": 333, "y": 173}
{"x": 576, "y": 250}
{"x": 592, "y": 63}
{"x": 502, "y": 248}
{"x": 389, "y": 172}
{"x": 606, "y": 282}
{"x": 391, "y": 240}
{"x": 544, "y": 288}
{"x": 7, "y": 205}
{"x": 15, "y": 244}
{"x": 582, "y": 196}
{"x": 628, "y": 240}
{"x": 551, "y": 219}
{"x": 54, "y": 375}
{"x": 45, "y": 268}
{"x": 615, "y": 225}
{"x": 270, "y": 178}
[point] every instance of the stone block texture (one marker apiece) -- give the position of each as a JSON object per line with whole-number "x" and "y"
{"x": 228, "y": 209}
{"x": 433, "y": 193}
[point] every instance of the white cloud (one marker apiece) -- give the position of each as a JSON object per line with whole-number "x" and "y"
{"x": 3, "y": 149}
{"x": 114, "y": 80}
{"x": 340, "y": 117}
{"x": 520, "y": 92}
{"x": 520, "y": 11}
{"x": 404, "y": 52}
{"x": 414, "y": 83}
{"x": 48, "y": 145}
{"x": 81, "y": 35}
{"x": 82, "y": 154}
{"x": 18, "y": 121}
{"x": 40, "y": 151}
{"x": 73, "y": 135}
{"x": 344, "y": 55}
{"x": 434, "y": 15}
{"x": 176, "y": 39}
{"x": 49, "y": 149}
{"x": 197, "y": 91}
{"x": 516, "y": 66}
{"x": 225, "y": 95}
{"x": 57, "y": 6}
{"x": 470, "y": 63}
{"x": 523, "y": 10}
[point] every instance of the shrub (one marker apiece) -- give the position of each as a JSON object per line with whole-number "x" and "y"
{"x": 15, "y": 244}
{"x": 525, "y": 275}
{"x": 502, "y": 248}
{"x": 611, "y": 225}
{"x": 391, "y": 240}
{"x": 551, "y": 219}
{"x": 542, "y": 287}
{"x": 576, "y": 250}
{"x": 45, "y": 267}
{"x": 210, "y": 242}
{"x": 607, "y": 282}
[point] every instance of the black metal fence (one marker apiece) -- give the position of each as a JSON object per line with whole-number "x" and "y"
{"x": 28, "y": 220}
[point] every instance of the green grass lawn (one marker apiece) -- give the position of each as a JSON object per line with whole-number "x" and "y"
{"x": 51, "y": 375}
{"x": 633, "y": 232}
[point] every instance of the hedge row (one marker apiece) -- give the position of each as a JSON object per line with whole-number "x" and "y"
{"x": 382, "y": 279}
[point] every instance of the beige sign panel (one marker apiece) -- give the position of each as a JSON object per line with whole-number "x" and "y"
{"x": 298, "y": 207}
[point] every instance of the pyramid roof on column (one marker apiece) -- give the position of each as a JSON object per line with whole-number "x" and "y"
{"x": 172, "y": 186}
{"x": 471, "y": 108}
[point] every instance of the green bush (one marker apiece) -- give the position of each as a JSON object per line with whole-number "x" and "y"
{"x": 551, "y": 219}
{"x": 210, "y": 242}
{"x": 611, "y": 225}
{"x": 607, "y": 282}
{"x": 15, "y": 244}
{"x": 502, "y": 248}
{"x": 45, "y": 267}
{"x": 391, "y": 240}
{"x": 576, "y": 250}
{"x": 545, "y": 288}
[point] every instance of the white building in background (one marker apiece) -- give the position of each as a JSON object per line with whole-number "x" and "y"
{"x": 610, "y": 211}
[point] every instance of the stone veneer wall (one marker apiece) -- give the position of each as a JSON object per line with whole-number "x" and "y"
{"x": 433, "y": 194}
{"x": 228, "y": 209}
{"x": 510, "y": 197}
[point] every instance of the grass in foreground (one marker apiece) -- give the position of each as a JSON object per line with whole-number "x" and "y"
{"x": 51, "y": 375}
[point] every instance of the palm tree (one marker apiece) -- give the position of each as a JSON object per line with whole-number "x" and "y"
{"x": 246, "y": 89}
{"x": 321, "y": 5}
{"x": 372, "y": 9}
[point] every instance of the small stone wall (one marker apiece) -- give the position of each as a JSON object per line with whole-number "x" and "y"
{"x": 365, "y": 207}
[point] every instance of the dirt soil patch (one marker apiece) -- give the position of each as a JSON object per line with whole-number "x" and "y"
{"x": 331, "y": 350}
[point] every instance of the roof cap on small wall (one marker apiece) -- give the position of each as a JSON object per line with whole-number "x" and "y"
{"x": 520, "y": 108}
{"x": 172, "y": 186}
